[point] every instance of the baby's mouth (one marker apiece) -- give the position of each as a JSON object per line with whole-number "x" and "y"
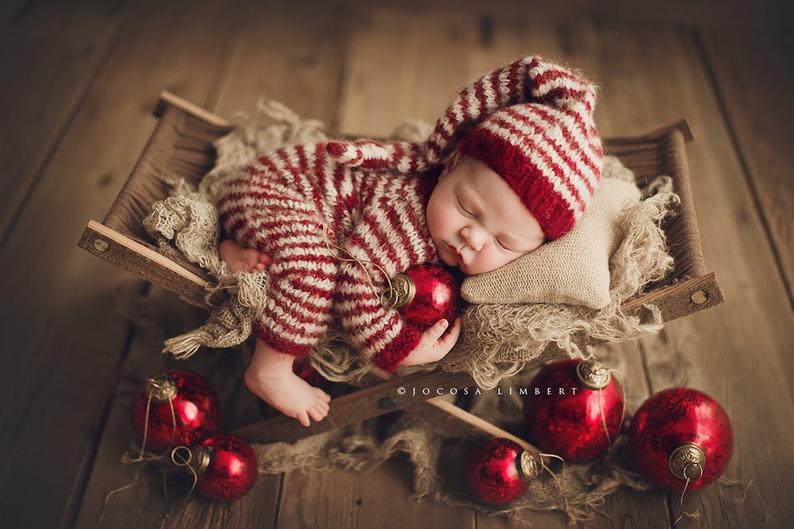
{"x": 454, "y": 252}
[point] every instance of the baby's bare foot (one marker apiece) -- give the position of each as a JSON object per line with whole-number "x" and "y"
{"x": 289, "y": 394}
{"x": 242, "y": 259}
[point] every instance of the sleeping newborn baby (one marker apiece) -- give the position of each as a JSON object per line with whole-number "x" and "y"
{"x": 512, "y": 163}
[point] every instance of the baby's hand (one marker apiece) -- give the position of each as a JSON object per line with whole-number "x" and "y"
{"x": 432, "y": 347}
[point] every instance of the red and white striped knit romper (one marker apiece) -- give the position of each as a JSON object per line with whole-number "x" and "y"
{"x": 282, "y": 203}
{"x": 371, "y": 198}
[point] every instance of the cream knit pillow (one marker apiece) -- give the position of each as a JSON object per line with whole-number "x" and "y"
{"x": 573, "y": 269}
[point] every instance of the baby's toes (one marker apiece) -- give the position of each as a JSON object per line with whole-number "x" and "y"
{"x": 303, "y": 417}
{"x": 249, "y": 258}
{"x": 322, "y": 406}
{"x": 316, "y": 414}
{"x": 263, "y": 258}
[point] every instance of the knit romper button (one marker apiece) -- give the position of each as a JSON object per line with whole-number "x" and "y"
{"x": 698, "y": 297}
{"x": 101, "y": 245}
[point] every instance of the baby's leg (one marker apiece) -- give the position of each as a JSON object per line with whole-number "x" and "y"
{"x": 271, "y": 378}
{"x": 241, "y": 259}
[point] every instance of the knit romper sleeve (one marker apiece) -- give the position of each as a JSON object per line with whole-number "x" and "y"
{"x": 281, "y": 204}
{"x": 378, "y": 333}
{"x": 390, "y": 236}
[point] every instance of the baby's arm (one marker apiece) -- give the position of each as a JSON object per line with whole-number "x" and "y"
{"x": 371, "y": 154}
{"x": 434, "y": 345}
{"x": 381, "y": 333}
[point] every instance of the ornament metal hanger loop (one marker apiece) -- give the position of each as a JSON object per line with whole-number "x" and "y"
{"x": 687, "y": 462}
{"x": 400, "y": 293}
{"x": 593, "y": 374}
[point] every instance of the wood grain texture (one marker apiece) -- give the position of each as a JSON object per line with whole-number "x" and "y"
{"x": 355, "y": 407}
{"x": 52, "y": 52}
{"x": 62, "y": 339}
{"x": 79, "y": 94}
{"x": 737, "y": 352}
{"x": 753, "y": 78}
{"x": 273, "y": 48}
{"x": 381, "y": 498}
{"x": 145, "y": 504}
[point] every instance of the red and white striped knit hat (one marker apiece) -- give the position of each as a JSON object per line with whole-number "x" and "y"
{"x": 531, "y": 121}
{"x": 549, "y": 152}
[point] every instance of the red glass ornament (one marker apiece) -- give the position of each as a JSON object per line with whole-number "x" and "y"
{"x": 195, "y": 406}
{"x": 425, "y": 294}
{"x": 679, "y": 433}
{"x": 565, "y": 417}
{"x": 498, "y": 470}
{"x": 226, "y": 467}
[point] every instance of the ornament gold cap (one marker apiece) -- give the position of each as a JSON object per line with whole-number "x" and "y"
{"x": 401, "y": 292}
{"x": 593, "y": 375}
{"x": 528, "y": 465}
{"x": 201, "y": 458}
{"x": 161, "y": 387}
{"x": 687, "y": 462}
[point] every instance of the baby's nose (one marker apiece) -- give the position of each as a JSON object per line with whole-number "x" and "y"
{"x": 474, "y": 238}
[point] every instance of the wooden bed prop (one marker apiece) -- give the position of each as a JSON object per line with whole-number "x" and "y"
{"x": 182, "y": 146}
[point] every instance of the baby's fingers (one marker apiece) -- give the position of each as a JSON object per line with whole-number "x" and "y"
{"x": 434, "y": 333}
{"x": 454, "y": 332}
{"x": 447, "y": 342}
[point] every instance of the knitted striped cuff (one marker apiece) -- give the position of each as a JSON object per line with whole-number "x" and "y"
{"x": 279, "y": 343}
{"x": 402, "y": 345}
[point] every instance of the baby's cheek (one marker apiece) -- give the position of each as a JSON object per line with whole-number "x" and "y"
{"x": 435, "y": 223}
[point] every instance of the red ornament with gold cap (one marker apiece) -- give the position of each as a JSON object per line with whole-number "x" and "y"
{"x": 679, "y": 434}
{"x": 577, "y": 411}
{"x": 225, "y": 466}
{"x": 424, "y": 294}
{"x": 499, "y": 470}
{"x": 174, "y": 408}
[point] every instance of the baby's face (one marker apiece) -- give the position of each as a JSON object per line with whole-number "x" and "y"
{"x": 476, "y": 220}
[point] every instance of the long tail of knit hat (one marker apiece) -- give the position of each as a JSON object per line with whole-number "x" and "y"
{"x": 531, "y": 121}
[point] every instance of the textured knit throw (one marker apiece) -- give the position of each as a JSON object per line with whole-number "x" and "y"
{"x": 573, "y": 269}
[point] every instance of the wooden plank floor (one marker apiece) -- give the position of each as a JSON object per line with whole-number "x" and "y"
{"x": 79, "y": 84}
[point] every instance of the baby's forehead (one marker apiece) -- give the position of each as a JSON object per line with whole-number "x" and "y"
{"x": 480, "y": 179}
{"x": 495, "y": 199}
